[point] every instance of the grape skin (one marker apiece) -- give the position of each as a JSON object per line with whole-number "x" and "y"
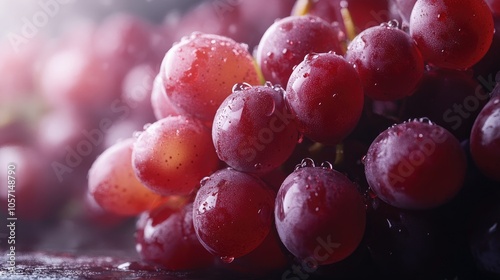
{"x": 320, "y": 215}
{"x": 450, "y": 33}
{"x": 325, "y": 96}
{"x": 113, "y": 185}
{"x": 415, "y": 165}
{"x": 388, "y": 62}
{"x": 485, "y": 139}
{"x": 173, "y": 154}
{"x": 232, "y": 213}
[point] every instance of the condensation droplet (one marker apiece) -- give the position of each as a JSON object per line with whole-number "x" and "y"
{"x": 241, "y": 86}
{"x": 204, "y": 181}
{"x": 136, "y": 134}
{"x": 326, "y": 165}
{"x": 227, "y": 259}
{"x": 306, "y": 162}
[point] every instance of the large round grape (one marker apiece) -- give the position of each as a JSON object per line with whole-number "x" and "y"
{"x": 485, "y": 139}
{"x": 165, "y": 236}
{"x": 253, "y": 130}
{"x": 173, "y": 154}
{"x": 320, "y": 215}
{"x": 415, "y": 165}
{"x": 199, "y": 71}
{"x": 325, "y": 96}
{"x": 452, "y": 34}
{"x": 232, "y": 213}
{"x": 288, "y": 40}
{"x": 388, "y": 62}
{"x": 113, "y": 185}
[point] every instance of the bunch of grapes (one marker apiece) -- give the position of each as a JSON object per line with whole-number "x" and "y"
{"x": 348, "y": 139}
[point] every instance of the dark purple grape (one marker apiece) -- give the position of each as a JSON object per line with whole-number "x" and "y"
{"x": 320, "y": 215}
{"x": 415, "y": 165}
{"x": 485, "y": 139}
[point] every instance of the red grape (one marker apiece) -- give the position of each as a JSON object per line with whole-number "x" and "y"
{"x": 415, "y": 165}
{"x": 485, "y": 139}
{"x": 288, "y": 40}
{"x": 320, "y": 215}
{"x": 388, "y": 62}
{"x": 173, "y": 154}
{"x": 113, "y": 185}
{"x": 232, "y": 213}
{"x": 325, "y": 96}
{"x": 451, "y": 33}
{"x": 165, "y": 236}
{"x": 253, "y": 130}
{"x": 199, "y": 71}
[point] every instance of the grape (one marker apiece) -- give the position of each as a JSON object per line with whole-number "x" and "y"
{"x": 415, "y": 165}
{"x": 160, "y": 103}
{"x": 165, "y": 236}
{"x": 232, "y": 213}
{"x": 113, "y": 185}
{"x": 450, "y": 33}
{"x": 325, "y": 96}
{"x": 485, "y": 139}
{"x": 388, "y": 62}
{"x": 199, "y": 72}
{"x": 173, "y": 154}
{"x": 253, "y": 130}
{"x": 320, "y": 216}
{"x": 288, "y": 40}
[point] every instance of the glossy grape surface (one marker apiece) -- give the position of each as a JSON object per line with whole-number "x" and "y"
{"x": 388, "y": 62}
{"x": 320, "y": 215}
{"x": 173, "y": 154}
{"x": 232, "y": 213}
{"x": 325, "y": 96}
{"x": 415, "y": 165}
{"x": 253, "y": 130}
{"x": 450, "y": 33}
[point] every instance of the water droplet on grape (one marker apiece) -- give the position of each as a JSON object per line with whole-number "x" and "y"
{"x": 241, "y": 86}
{"x": 124, "y": 266}
{"x": 363, "y": 160}
{"x": 257, "y": 166}
{"x": 227, "y": 259}
{"x": 425, "y": 120}
{"x": 204, "y": 181}
{"x": 393, "y": 23}
{"x": 327, "y": 165}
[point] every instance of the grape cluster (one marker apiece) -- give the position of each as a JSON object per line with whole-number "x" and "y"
{"x": 359, "y": 137}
